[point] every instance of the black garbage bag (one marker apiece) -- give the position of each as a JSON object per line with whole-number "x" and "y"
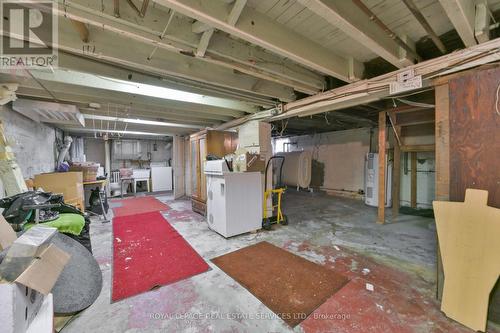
{"x": 15, "y": 211}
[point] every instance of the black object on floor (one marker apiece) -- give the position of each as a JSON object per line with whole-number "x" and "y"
{"x": 416, "y": 211}
{"x": 80, "y": 282}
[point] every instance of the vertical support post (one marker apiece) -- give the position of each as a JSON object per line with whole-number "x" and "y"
{"x": 442, "y": 143}
{"x": 442, "y": 163}
{"x": 179, "y": 169}
{"x": 381, "y": 166}
{"x": 396, "y": 181}
{"x": 413, "y": 198}
{"x": 107, "y": 164}
{"x": 396, "y": 173}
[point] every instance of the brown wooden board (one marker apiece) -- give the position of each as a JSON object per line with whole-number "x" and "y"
{"x": 475, "y": 135}
{"x": 474, "y": 139}
{"x": 291, "y": 286}
{"x": 468, "y": 235}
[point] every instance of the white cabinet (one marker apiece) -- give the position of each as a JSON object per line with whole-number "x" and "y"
{"x": 234, "y": 202}
{"x": 161, "y": 179}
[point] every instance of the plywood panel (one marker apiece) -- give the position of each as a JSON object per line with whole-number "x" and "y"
{"x": 475, "y": 135}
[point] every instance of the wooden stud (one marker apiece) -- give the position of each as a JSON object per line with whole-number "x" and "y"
{"x": 82, "y": 30}
{"x": 413, "y": 179}
{"x": 396, "y": 180}
{"x": 381, "y": 166}
{"x": 442, "y": 142}
{"x": 417, "y": 148}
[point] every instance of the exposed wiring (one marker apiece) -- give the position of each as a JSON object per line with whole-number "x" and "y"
{"x": 417, "y": 104}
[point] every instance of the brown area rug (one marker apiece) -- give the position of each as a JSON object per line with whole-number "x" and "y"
{"x": 291, "y": 286}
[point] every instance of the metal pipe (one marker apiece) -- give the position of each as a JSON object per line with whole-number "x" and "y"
{"x": 144, "y": 8}
{"x": 421, "y": 19}
{"x": 387, "y": 30}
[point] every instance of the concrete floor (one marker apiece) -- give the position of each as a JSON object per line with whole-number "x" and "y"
{"x": 397, "y": 259}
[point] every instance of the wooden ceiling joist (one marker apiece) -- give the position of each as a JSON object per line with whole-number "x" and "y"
{"x": 462, "y": 15}
{"x": 178, "y": 37}
{"x": 256, "y": 28}
{"x": 354, "y": 23}
{"x": 377, "y": 88}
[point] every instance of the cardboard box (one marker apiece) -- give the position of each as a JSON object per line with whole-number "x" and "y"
{"x": 7, "y": 234}
{"x": 20, "y": 305}
{"x": 69, "y": 184}
{"x": 22, "y": 291}
{"x": 248, "y": 162}
{"x": 44, "y": 320}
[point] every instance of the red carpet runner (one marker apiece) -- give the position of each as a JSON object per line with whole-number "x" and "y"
{"x": 148, "y": 252}
{"x": 139, "y": 205}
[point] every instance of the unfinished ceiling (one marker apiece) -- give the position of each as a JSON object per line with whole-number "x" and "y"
{"x": 235, "y": 57}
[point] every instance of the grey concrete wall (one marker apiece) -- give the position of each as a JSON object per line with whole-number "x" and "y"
{"x": 33, "y": 143}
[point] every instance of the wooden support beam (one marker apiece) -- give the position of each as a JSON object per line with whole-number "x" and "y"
{"x": 204, "y": 41}
{"x": 134, "y": 7}
{"x": 82, "y": 30}
{"x": 415, "y": 118}
{"x": 482, "y": 22}
{"x": 223, "y": 50}
{"x": 232, "y": 18}
{"x": 382, "y": 131}
{"x": 345, "y": 16}
{"x": 116, "y": 8}
{"x": 462, "y": 15}
{"x": 256, "y": 28}
{"x": 396, "y": 181}
{"x": 144, "y": 8}
{"x": 396, "y": 168}
{"x": 417, "y": 148}
{"x": 413, "y": 198}
{"x": 425, "y": 24}
{"x": 442, "y": 142}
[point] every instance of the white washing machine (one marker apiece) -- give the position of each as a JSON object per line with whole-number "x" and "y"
{"x": 234, "y": 199}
